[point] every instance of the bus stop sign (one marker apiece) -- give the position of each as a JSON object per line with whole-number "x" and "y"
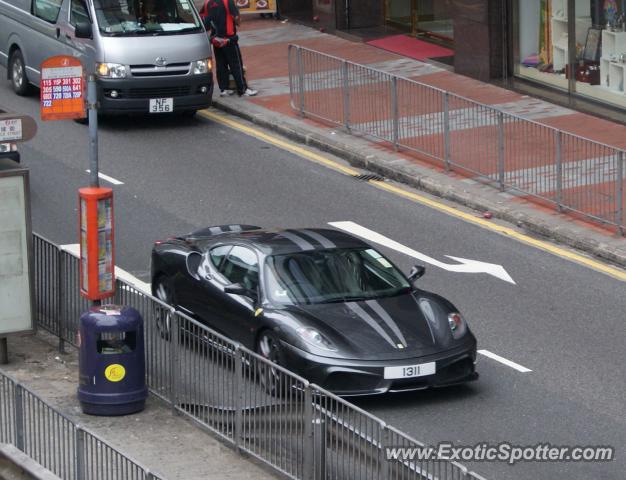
{"x": 62, "y": 88}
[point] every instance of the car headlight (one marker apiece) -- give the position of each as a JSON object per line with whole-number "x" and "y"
{"x": 111, "y": 70}
{"x": 315, "y": 338}
{"x": 201, "y": 66}
{"x": 457, "y": 325}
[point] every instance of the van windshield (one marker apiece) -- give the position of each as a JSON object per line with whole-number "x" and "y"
{"x": 146, "y": 17}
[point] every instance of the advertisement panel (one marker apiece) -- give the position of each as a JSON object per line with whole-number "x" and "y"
{"x": 97, "y": 276}
{"x": 16, "y": 300}
{"x": 256, "y": 6}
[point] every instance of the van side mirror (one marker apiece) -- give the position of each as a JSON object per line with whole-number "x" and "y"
{"x": 416, "y": 272}
{"x": 83, "y": 30}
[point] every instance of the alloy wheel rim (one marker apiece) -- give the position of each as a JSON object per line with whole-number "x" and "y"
{"x": 268, "y": 348}
{"x": 162, "y": 293}
{"x": 269, "y": 375}
{"x": 18, "y": 72}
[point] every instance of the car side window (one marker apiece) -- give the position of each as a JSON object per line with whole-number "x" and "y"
{"x": 47, "y": 10}
{"x": 78, "y": 12}
{"x": 241, "y": 266}
{"x": 217, "y": 254}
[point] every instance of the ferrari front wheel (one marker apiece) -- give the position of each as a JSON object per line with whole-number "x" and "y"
{"x": 272, "y": 379}
{"x": 163, "y": 316}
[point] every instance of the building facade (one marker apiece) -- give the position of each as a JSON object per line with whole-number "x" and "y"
{"x": 577, "y": 48}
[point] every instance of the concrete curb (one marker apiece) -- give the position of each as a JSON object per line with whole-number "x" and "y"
{"x": 358, "y": 152}
{"x": 21, "y": 466}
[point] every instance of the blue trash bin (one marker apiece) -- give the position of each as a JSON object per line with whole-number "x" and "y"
{"x": 111, "y": 361}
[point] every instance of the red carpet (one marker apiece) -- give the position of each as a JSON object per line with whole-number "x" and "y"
{"x": 411, "y": 47}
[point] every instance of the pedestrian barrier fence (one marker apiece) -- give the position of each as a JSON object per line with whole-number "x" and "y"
{"x": 572, "y": 173}
{"x": 56, "y": 442}
{"x": 257, "y": 406}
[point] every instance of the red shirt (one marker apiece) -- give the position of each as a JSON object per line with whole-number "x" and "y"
{"x": 230, "y": 21}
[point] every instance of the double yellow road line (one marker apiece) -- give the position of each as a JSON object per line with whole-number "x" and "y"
{"x": 481, "y": 222}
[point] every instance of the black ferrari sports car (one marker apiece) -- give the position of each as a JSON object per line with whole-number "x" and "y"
{"x": 319, "y": 302}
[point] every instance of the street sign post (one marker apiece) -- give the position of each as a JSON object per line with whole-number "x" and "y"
{"x": 63, "y": 98}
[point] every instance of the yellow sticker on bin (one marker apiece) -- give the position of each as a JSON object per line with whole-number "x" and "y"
{"x": 115, "y": 372}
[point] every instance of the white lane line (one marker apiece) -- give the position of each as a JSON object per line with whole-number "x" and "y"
{"x": 74, "y": 249}
{"x": 504, "y": 361}
{"x": 107, "y": 178}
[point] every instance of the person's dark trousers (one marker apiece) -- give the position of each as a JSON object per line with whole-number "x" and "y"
{"x": 228, "y": 61}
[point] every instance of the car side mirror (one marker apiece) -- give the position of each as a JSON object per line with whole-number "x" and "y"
{"x": 235, "y": 289}
{"x": 239, "y": 289}
{"x": 416, "y": 272}
{"x": 83, "y": 30}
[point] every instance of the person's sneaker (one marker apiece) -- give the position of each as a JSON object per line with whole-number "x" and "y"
{"x": 249, "y": 92}
{"x": 226, "y": 93}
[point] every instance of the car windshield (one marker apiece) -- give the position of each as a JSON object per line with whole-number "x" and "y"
{"x": 146, "y": 17}
{"x": 336, "y": 275}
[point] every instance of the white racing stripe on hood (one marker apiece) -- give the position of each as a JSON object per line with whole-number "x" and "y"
{"x": 377, "y": 307}
{"x": 326, "y": 243}
{"x": 366, "y": 317}
{"x": 298, "y": 240}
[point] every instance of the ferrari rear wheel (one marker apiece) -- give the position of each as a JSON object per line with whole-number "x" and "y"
{"x": 163, "y": 316}
{"x": 273, "y": 381}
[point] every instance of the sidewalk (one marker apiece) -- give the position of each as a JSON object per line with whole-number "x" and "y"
{"x": 264, "y": 45}
{"x": 164, "y": 442}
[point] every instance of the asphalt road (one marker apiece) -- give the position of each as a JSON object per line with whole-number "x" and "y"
{"x": 563, "y": 321}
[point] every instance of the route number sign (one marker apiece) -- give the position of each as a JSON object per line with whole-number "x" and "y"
{"x": 62, "y": 88}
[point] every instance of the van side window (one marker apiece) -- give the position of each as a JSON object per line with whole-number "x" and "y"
{"x": 47, "y": 10}
{"x": 78, "y": 12}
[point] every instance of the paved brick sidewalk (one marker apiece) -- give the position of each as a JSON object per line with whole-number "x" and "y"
{"x": 157, "y": 438}
{"x": 264, "y": 44}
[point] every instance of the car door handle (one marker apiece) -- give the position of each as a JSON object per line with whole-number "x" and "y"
{"x": 68, "y": 36}
{"x": 58, "y": 32}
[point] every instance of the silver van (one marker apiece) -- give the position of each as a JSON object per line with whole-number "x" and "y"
{"x": 149, "y": 56}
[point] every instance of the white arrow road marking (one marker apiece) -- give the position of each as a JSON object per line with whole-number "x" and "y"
{"x": 504, "y": 361}
{"x": 464, "y": 265}
{"x": 74, "y": 249}
{"x": 107, "y": 178}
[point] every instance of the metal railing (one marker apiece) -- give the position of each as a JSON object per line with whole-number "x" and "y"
{"x": 56, "y": 442}
{"x": 573, "y": 173}
{"x": 258, "y": 407}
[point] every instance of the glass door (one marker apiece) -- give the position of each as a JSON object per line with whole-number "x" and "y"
{"x": 433, "y": 18}
{"x": 401, "y": 14}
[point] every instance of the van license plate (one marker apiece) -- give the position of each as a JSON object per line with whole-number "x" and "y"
{"x": 161, "y": 105}
{"x": 411, "y": 371}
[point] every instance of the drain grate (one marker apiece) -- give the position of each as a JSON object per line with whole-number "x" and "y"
{"x": 366, "y": 177}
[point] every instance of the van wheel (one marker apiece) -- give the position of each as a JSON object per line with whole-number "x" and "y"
{"x": 17, "y": 73}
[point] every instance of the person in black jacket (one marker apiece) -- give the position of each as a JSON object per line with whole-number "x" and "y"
{"x": 221, "y": 19}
